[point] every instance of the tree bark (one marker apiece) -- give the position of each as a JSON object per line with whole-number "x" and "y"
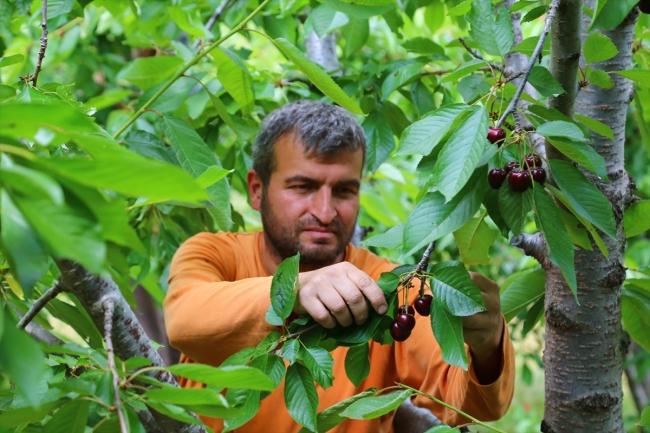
{"x": 585, "y": 344}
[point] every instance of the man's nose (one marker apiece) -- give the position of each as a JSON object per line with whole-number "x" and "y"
{"x": 322, "y": 206}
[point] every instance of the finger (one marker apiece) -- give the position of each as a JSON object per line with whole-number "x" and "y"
{"x": 354, "y": 299}
{"x": 336, "y": 305}
{"x": 369, "y": 288}
{"x": 485, "y": 284}
{"x": 315, "y": 308}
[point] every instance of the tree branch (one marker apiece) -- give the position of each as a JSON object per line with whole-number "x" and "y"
{"x": 424, "y": 262}
{"x": 41, "y": 53}
{"x": 552, "y": 9}
{"x": 38, "y": 305}
{"x": 478, "y": 56}
{"x": 213, "y": 19}
{"x": 109, "y": 309}
{"x": 533, "y": 246}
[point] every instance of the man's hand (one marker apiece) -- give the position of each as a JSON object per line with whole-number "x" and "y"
{"x": 483, "y": 331}
{"x": 338, "y": 293}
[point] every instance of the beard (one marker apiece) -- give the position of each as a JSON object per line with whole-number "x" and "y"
{"x": 283, "y": 237}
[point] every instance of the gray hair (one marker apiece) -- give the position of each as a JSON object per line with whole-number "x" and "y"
{"x": 323, "y": 128}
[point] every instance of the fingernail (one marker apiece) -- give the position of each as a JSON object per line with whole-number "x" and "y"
{"x": 382, "y": 309}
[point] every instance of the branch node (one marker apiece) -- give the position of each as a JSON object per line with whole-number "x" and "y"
{"x": 533, "y": 246}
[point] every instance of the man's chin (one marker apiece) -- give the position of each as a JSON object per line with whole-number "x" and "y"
{"x": 319, "y": 254}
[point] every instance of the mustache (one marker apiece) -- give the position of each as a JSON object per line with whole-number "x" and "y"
{"x": 311, "y": 222}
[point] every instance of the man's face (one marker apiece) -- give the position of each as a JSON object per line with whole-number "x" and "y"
{"x": 310, "y": 204}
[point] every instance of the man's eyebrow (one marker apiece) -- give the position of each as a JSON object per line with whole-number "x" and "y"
{"x": 300, "y": 178}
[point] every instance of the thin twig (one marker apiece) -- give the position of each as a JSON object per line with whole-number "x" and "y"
{"x": 213, "y": 19}
{"x": 478, "y": 56}
{"x": 552, "y": 9}
{"x": 458, "y": 411}
{"x": 41, "y": 53}
{"x": 109, "y": 308}
{"x": 424, "y": 262}
{"x": 296, "y": 334}
{"x": 38, "y": 305}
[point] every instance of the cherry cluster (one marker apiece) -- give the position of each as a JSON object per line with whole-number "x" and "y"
{"x": 404, "y": 323}
{"x": 519, "y": 180}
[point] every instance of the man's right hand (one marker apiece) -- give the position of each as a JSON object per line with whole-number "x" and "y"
{"x": 338, "y": 293}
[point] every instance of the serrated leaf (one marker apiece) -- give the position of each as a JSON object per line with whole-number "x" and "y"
{"x": 639, "y": 76}
{"x": 331, "y": 417}
{"x": 357, "y": 363}
{"x": 636, "y": 220}
{"x": 398, "y": 78}
{"x": 534, "y": 13}
{"x": 587, "y": 200}
{"x": 374, "y": 407}
{"x": 425, "y": 134}
{"x": 433, "y": 218}
{"x": 542, "y": 80}
{"x": 235, "y": 78}
{"x": 611, "y": 13}
{"x": 519, "y": 290}
{"x": 284, "y": 286}
{"x": 456, "y": 292}
{"x": 459, "y": 156}
{"x": 494, "y": 34}
{"x": 317, "y": 75}
{"x": 146, "y": 72}
{"x": 463, "y": 70}
{"x": 392, "y": 238}
{"x": 300, "y": 396}
{"x": 514, "y": 206}
{"x": 388, "y": 282}
{"x": 448, "y": 330}
{"x": 600, "y": 78}
{"x": 582, "y": 153}
{"x": 595, "y": 125}
{"x": 290, "y": 350}
{"x": 225, "y": 377}
{"x": 187, "y": 396}
{"x": 598, "y": 48}
{"x": 559, "y": 128}
{"x": 474, "y": 240}
{"x": 379, "y": 140}
{"x": 249, "y": 407}
{"x": 560, "y": 247}
{"x": 319, "y": 362}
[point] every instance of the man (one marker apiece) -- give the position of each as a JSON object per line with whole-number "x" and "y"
{"x": 305, "y": 182}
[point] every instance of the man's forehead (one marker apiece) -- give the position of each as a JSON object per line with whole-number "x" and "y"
{"x": 290, "y": 144}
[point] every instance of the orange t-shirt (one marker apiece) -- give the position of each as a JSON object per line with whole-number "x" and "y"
{"x": 218, "y": 295}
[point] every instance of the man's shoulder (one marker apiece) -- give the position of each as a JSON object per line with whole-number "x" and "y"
{"x": 368, "y": 261}
{"x": 221, "y": 240}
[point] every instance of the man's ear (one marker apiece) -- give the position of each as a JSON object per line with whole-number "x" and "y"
{"x": 255, "y": 187}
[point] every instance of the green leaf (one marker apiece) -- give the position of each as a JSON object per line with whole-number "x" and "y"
{"x": 212, "y": 175}
{"x": 424, "y": 135}
{"x": 645, "y": 417}
{"x": 514, "y": 206}
{"x": 388, "y": 282}
{"x": 331, "y": 417}
{"x": 196, "y": 158}
{"x": 534, "y": 13}
{"x": 463, "y": 70}
{"x": 391, "y": 3}
{"x": 544, "y": 83}
{"x": 527, "y": 46}
{"x": 284, "y": 286}
{"x": 587, "y": 200}
{"x": 250, "y": 407}
{"x": 374, "y": 407}
{"x": 22, "y": 360}
{"x": 433, "y": 218}
{"x": 225, "y": 377}
{"x": 560, "y": 247}
{"x": 461, "y": 153}
{"x": 460, "y": 9}
{"x": 58, "y": 7}
{"x": 6, "y": 92}
{"x": 639, "y": 76}
{"x": 635, "y": 313}
{"x": 222, "y": 111}
{"x": 79, "y": 320}
{"x": 11, "y": 60}
{"x": 146, "y": 72}
{"x": 456, "y": 292}
{"x": 355, "y": 34}
{"x": 400, "y": 77}
{"x": 186, "y": 396}
{"x": 533, "y": 316}
{"x": 325, "y": 19}
{"x": 495, "y": 36}
{"x": 300, "y": 396}
{"x": 235, "y": 78}
{"x": 317, "y": 75}
{"x": 598, "y": 48}
{"x": 595, "y": 125}
{"x": 173, "y": 411}
{"x": 357, "y": 363}
{"x": 185, "y": 22}
{"x": 363, "y": 9}
{"x": 582, "y": 153}
{"x": 21, "y": 246}
{"x": 635, "y": 220}
{"x": 521, "y": 289}
{"x": 71, "y": 418}
{"x": 423, "y": 46}
{"x": 611, "y": 13}
{"x": 474, "y": 240}
{"x": 576, "y": 230}
{"x": 392, "y": 238}
{"x": 559, "y": 128}
{"x": 319, "y": 362}
{"x": 148, "y": 145}
{"x": 448, "y": 330}
{"x": 599, "y": 78}
{"x": 25, "y": 415}
{"x": 379, "y": 139}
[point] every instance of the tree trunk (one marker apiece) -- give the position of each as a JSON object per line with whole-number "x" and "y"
{"x": 585, "y": 344}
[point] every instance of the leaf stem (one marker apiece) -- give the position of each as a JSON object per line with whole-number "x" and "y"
{"x": 38, "y": 305}
{"x": 430, "y": 397}
{"x": 184, "y": 69}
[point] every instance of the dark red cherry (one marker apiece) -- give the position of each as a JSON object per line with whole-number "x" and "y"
{"x": 510, "y": 166}
{"x": 532, "y": 161}
{"x": 423, "y": 305}
{"x": 519, "y": 181}
{"x": 496, "y": 176}
{"x": 405, "y": 321}
{"x": 398, "y": 333}
{"x": 539, "y": 175}
{"x": 406, "y": 309}
{"x": 496, "y": 135}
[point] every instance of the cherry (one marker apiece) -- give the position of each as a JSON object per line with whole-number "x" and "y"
{"x": 406, "y": 309}
{"x": 533, "y": 160}
{"x": 405, "y": 321}
{"x": 539, "y": 175}
{"x": 644, "y": 6}
{"x": 519, "y": 180}
{"x": 398, "y": 333}
{"x": 496, "y": 176}
{"x": 423, "y": 305}
{"x": 510, "y": 166}
{"x": 496, "y": 135}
